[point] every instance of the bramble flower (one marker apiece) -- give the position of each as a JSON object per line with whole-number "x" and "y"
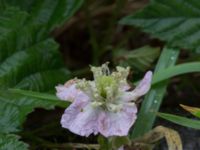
{"x": 104, "y": 105}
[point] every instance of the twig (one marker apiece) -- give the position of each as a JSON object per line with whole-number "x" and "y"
{"x": 74, "y": 145}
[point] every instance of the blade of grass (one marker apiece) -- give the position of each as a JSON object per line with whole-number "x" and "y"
{"x": 175, "y": 70}
{"x": 153, "y": 99}
{"x": 39, "y": 95}
{"x": 181, "y": 120}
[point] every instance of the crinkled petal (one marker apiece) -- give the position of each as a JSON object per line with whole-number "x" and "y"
{"x": 140, "y": 90}
{"x": 121, "y": 148}
{"x": 69, "y": 92}
{"x": 117, "y": 124}
{"x": 80, "y": 118}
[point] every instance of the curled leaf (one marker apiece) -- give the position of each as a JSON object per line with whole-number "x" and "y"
{"x": 148, "y": 141}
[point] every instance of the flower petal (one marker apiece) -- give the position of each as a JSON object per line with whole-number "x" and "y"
{"x": 80, "y": 118}
{"x": 140, "y": 90}
{"x": 144, "y": 85}
{"x": 121, "y": 148}
{"x": 124, "y": 87}
{"x": 117, "y": 124}
{"x": 69, "y": 92}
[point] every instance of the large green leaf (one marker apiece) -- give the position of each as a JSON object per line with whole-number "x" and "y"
{"x": 16, "y": 33}
{"x": 30, "y": 59}
{"x": 174, "y": 21}
{"x": 14, "y": 108}
{"x": 44, "y": 80}
{"x": 50, "y": 12}
{"x": 11, "y": 19}
{"x": 20, "y": 64}
{"x": 11, "y": 142}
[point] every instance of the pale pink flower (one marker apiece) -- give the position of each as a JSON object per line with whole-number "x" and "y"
{"x": 104, "y": 105}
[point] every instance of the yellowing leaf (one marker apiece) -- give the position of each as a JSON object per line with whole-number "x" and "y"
{"x": 193, "y": 110}
{"x": 149, "y": 139}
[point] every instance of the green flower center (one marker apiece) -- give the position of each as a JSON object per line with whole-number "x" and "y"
{"x": 105, "y": 85}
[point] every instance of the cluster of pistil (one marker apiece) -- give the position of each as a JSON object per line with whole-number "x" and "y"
{"x": 106, "y": 89}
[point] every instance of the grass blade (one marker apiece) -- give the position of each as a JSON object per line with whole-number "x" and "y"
{"x": 181, "y": 120}
{"x": 153, "y": 99}
{"x": 175, "y": 70}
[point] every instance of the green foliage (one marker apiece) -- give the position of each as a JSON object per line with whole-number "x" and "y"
{"x": 180, "y": 29}
{"x": 139, "y": 59}
{"x": 167, "y": 73}
{"x": 191, "y": 123}
{"x": 49, "y": 12}
{"x": 14, "y": 108}
{"x": 10, "y": 142}
{"x": 153, "y": 99}
{"x": 44, "y": 80}
{"x": 174, "y": 21}
{"x": 183, "y": 121}
{"x": 118, "y": 142}
{"x": 29, "y": 60}
{"x": 170, "y": 72}
{"x": 113, "y": 143}
{"x": 33, "y": 94}
{"x": 104, "y": 143}
{"x": 28, "y": 55}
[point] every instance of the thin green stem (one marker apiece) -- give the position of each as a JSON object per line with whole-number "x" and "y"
{"x": 111, "y": 25}
{"x": 93, "y": 38}
{"x": 73, "y": 146}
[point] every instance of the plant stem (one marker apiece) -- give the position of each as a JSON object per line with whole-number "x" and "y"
{"x": 119, "y": 5}
{"x": 93, "y": 38}
{"x": 73, "y": 145}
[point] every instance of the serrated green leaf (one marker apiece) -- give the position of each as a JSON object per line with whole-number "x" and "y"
{"x": 19, "y": 36}
{"x": 44, "y": 80}
{"x": 16, "y": 104}
{"x": 11, "y": 19}
{"x": 29, "y": 59}
{"x": 174, "y": 21}
{"x": 191, "y": 123}
{"x": 22, "y": 63}
{"x": 139, "y": 59}
{"x": 50, "y": 12}
{"x": 11, "y": 142}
